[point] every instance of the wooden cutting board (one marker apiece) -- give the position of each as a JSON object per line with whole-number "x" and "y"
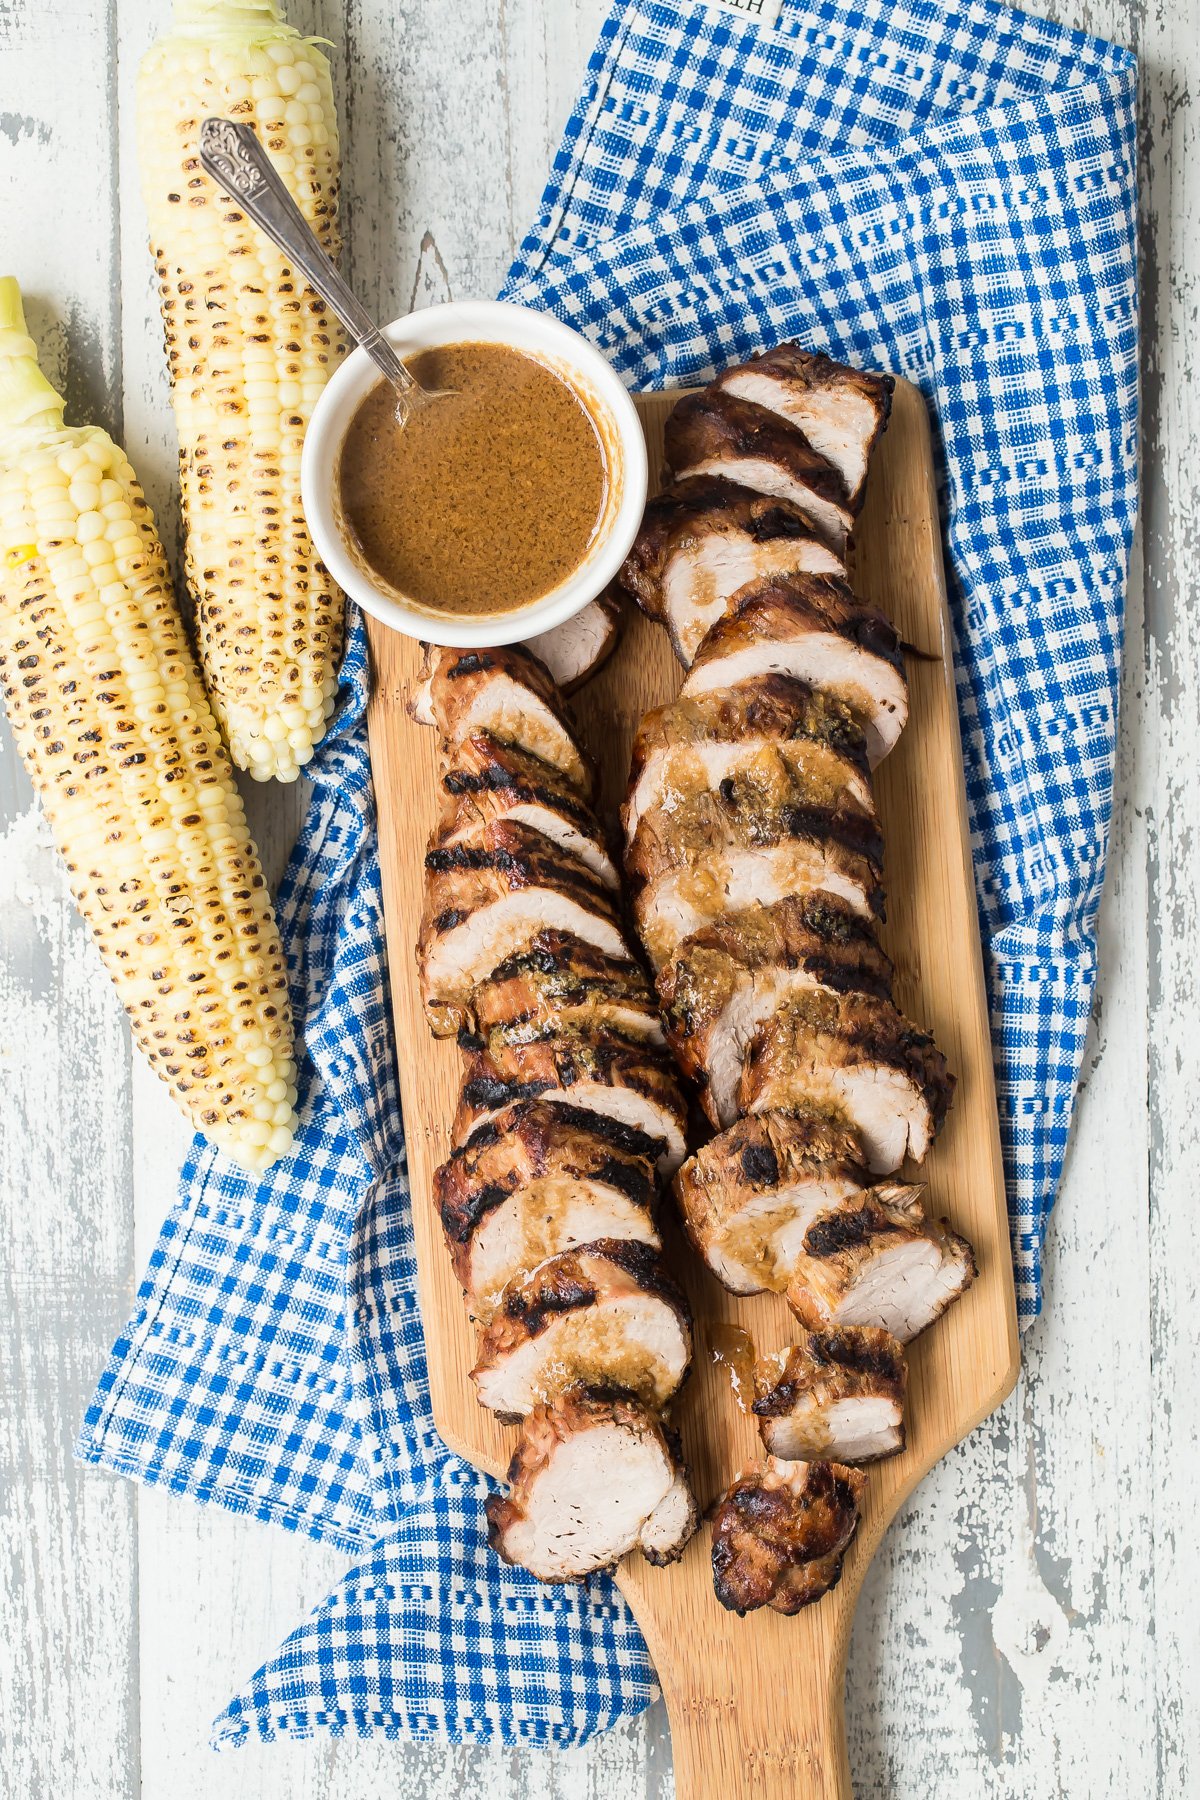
{"x": 755, "y": 1703}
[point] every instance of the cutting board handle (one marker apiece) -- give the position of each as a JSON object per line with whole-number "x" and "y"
{"x": 756, "y": 1704}
{"x": 743, "y": 1741}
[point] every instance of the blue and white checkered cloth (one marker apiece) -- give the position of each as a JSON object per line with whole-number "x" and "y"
{"x": 948, "y": 195}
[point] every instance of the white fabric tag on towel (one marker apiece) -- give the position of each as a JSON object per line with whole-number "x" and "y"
{"x": 755, "y": 12}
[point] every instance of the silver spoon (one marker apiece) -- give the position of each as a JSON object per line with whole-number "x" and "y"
{"x": 234, "y": 156}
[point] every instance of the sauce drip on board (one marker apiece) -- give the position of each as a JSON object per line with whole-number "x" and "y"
{"x": 733, "y": 1347}
{"x": 483, "y": 501}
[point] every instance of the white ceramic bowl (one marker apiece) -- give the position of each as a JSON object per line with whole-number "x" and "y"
{"x": 599, "y": 390}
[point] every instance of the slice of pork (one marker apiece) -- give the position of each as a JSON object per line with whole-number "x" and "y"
{"x": 507, "y": 693}
{"x": 722, "y": 983}
{"x": 559, "y": 983}
{"x": 674, "y": 1521}
{"x": 484, "y": 779}
{"x": 592, "y": 1479}
{"x": 635, "y": 1084}
{"x": 488, "y": 896}
{"x": 841, "y": 411}
{"x": 692, "y": 863}
{"x": 746, "y": 736}
{"x": 812, "y": 628}
{"x": 855, "y": 1055}
{"x": 837, "y": 1394}
{"x": 715, "y": 433}
{"x": 779, "y": 1534}
{"x": 877, "y": 1260}
{"x": 575, "y": 651}
{"x": 536, "y": 1180}
{"x": 703, "y": 539}
{"x": 605, "y": 1315}
{"x": 748, "y": 1196}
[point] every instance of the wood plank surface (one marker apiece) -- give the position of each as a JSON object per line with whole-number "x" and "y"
{"x": 755, "y": 1703}
{"x": 1027, "y": 1627}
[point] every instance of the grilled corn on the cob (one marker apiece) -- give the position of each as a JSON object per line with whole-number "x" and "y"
{"x": 110, "y": 715}
{"x": 250, "y": 347}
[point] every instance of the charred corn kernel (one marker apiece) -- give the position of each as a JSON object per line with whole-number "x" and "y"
{"x": 109, "y": 712}
{"x": 250, "y": 347}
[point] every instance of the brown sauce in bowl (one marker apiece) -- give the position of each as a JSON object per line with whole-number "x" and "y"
{"x": 483, "y": 501}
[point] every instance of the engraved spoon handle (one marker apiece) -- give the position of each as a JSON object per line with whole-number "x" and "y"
{"x": 234, "y": 157}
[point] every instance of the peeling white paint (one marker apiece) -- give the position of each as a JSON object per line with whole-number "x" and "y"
{"x": 33, "y": 882}
{"x": 1030, "y": 1626}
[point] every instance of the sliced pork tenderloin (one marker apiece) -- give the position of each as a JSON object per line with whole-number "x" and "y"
{"x": 703, "y": 539}
{"x": 836, "y": 1394}
{"x": 692, "y": 863}
{"x": 841, "y": 411}
{"x": 507, "y": 693}
{"x": 779, "y": 1534}
{"x": 633, "y": 1083}
{"x": 716, "y": 433}
{"x": 748, "y": 1196}
{"x": 813, "y": 629}
{"x": 559, "y": 983}
{"x": 726, "y": 980}
{"x": 484, "y": 779}
{"x": 593, "y": 1478}
{"x": 674, "y": 1521}
{"x": 747, "y": 736}
{"x": 536, "y": 1180}
{"x": 877, "y": 1260}
{"x": 488, "y": 896}
{"x": 854, "y": 1055}
{"x": 605, "y": 1315}
{"x": 576, "y": 650}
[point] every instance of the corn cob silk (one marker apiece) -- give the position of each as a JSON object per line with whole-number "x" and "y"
{"x": 111, "y": 717}
{"x": 250, "y": 347}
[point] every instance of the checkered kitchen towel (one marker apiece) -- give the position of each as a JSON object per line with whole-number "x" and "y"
{"x": 949, "y": 195}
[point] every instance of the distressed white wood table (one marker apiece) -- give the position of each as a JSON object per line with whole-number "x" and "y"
{"x": 1030, "y": 1627}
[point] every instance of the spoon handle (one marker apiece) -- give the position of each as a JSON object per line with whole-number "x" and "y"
{"x": 234, "y": 157}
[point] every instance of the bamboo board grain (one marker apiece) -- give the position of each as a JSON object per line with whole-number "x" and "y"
{"x": 755, "y": 1703}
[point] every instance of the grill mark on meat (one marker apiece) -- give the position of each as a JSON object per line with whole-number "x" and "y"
{"x": 865, "y": 1353}
{"x": 843, "y": 410}
{"x": 540, "y": 1141}
{"x": 560, "y": 1286}
{"x": 506, "y": 693}
{"x": 461, "y": 1222}
{"x": 760, "y": 1165}
{"x": 613, "y": 1134}
{"x": 862, "y": 1027}
{"x": 779, "y": 1537}
{"x": 475, "y": 662}
{"x": 535, "y": 1308}
{"x": 531, "y": 864}
{"x": 874, "y": 1354}
{"x": 626, "y": 1178}
{"x": 709, "y": 424}
{"x": 820, "y": 601}
{"x": 500, "y": 780}
{"x": 484, "y": 1093}
{"x": 614, "y": 1131}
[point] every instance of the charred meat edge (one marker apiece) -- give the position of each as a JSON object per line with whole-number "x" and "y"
{"x": 548, "y": 1426}
{"x": 850, "y": 1360}
{"x": 561, "y": 1285}
{"x": 711, "y": 424}
{"x": 780, "y": 1532}
{"x": 689, "y": 509}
